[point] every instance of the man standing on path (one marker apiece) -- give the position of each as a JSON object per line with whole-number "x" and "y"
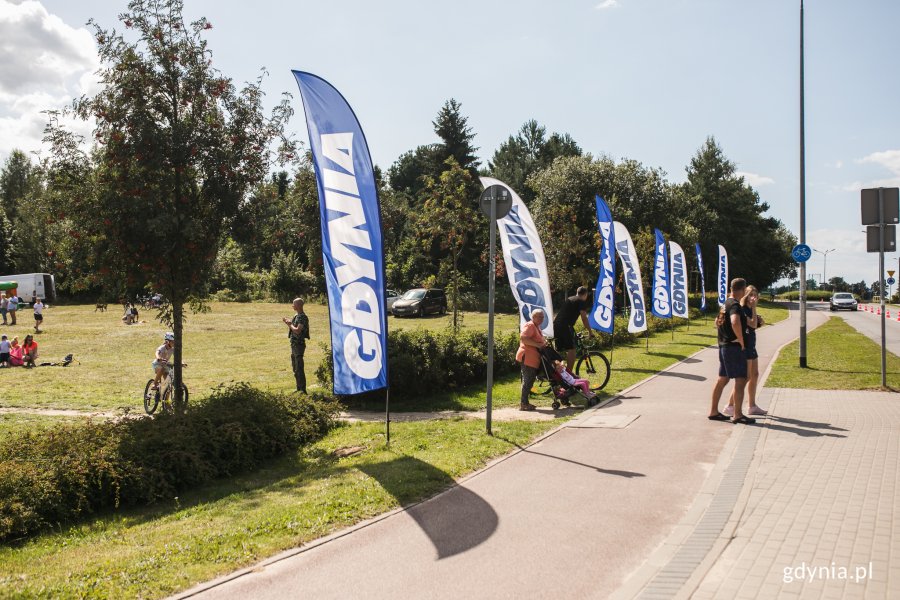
{"x": 564, "y": 323}
{"x": 298, "y": 333}
{"x": 731, "y": 324}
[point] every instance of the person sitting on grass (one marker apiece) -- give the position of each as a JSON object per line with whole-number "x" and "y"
{"x": 29, "y": 351}
{"x": 15, "y": 353}
{"x": 163, "y": 355}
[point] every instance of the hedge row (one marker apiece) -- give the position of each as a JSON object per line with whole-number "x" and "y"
{"x": 422, "y": 361}
{"x": 810, "y": 295}
{"x": 55, "y": 476}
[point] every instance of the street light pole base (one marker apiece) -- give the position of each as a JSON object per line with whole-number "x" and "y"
{"x": 803, "y": 362}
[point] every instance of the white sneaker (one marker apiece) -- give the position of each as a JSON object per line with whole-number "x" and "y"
{"x": 728, "y": 411}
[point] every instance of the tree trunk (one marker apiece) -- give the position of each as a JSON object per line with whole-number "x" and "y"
{"x": 177, "y": 329}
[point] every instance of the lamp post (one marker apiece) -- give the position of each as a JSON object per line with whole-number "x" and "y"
{"x": 825, "y": 265}
{"x": 802, "y": 295}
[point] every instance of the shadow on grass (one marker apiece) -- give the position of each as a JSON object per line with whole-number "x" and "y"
{"x": 459, "y": 521}
{"x": 436, "y": 401}
{"x": 455, "y": 521}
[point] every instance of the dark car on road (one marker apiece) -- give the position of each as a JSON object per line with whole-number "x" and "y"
{"x": 419, "y": 302}
{"x": 843, "y": 301}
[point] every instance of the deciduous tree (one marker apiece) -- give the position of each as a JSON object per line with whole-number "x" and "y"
{"x": 177, "y": 147}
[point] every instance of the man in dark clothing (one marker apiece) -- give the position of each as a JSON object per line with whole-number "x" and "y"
{"x": 731, "y": 324}
{"x": 564, "y": 323}
{"x": 298, "y": 333}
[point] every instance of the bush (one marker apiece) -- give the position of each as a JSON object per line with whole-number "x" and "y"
{"x": 421, "y": 361}
{"x": 54, "y": 476}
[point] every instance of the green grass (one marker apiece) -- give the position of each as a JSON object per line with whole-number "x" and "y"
{"x": 232, "y": 342}
{"x": 215, "y": 530}
{"x": 10, "y": 422}
{"x": 838, "y": 358}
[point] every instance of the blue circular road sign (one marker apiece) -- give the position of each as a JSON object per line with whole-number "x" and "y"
{"x": 801, "y": 253}
{"x": 891, "y": 281}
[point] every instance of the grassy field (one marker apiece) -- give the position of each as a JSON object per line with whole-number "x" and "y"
{"x": 838, "y": 358}
{"x": 155, "y": 552}
{"x": 232, "y": 342}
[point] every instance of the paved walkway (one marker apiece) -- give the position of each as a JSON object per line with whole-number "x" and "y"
{"x": 669, "y": 506}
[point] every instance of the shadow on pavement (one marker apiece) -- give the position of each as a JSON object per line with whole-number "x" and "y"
{"x": 666, "y": 374}
{"x": 800, "y": 431}
{"x": 683, "y": 376}
{"x": 455, "y": 521}
{"x": 627, "y": 474}
{"x": 809, "y": 424}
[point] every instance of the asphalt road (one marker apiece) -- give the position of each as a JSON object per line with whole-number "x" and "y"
{"x": 869, "y": 325}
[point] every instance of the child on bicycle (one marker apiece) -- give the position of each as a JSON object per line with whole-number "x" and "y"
{"x": 582, "y": 384}
{"x": 163, "y": 355}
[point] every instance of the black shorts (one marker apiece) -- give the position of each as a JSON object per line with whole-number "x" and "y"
{"x": 751, "y": 353}
{"x": 38, "y": 317}
{"x": 732, "y": 362}
{"x": 564, "y": 338}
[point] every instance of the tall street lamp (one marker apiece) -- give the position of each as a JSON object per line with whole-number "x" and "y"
{"x": 825, "y": 266}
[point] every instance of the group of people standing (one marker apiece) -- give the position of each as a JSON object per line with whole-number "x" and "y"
{"x": 14, "y": 355}
{"x": 9, "y": 308}
{"x": 737, "y": 323}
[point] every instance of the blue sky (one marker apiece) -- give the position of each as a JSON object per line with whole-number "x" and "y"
{"x": 643, "y": 79}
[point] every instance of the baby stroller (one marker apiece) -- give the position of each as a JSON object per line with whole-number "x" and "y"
{"x": 562, "y": 391}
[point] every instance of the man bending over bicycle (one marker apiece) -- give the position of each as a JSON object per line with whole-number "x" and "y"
{"x": 564, "y": 323}
{"x": 163, "y": 355}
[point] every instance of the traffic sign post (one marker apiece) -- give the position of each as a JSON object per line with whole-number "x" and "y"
{"x": 495, "y": 203}
{"x": 801, "y": 253}
{"x": 880, "y": 209}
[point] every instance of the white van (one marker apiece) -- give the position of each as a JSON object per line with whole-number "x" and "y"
{"x": 38, "y": 285}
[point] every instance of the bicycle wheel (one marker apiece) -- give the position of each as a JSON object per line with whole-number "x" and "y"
{"x": 151, "y": 398}
{"x": 541, "y": 387}
{"x": 594, "y": 367}
{"x": 167, "y": 398}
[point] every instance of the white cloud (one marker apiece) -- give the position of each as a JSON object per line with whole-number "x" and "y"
{"x": 607, "y": 4}
{"x": 754, "y": 179}
{"x": 46, "y": 63}
{"x": 889, "y": 159}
